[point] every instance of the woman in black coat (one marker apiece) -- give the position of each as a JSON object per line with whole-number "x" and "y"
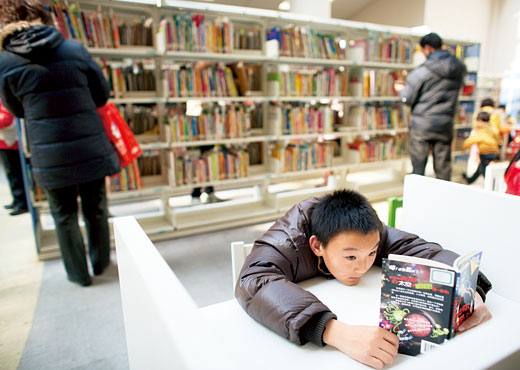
{"x": 56, "y": 87}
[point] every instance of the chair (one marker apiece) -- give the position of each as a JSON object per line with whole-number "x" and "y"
{"x": 494, "y": 179}
{"x": 393, "y": 204}
{"x": 239, "y": 252}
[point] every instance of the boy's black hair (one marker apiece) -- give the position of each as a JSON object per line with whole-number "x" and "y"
{"x": 483, "y": 116}
{"x": 343, "y": 211}
{"x": 502, "y": 106}
{"x": 487, "y": 102}
{"x": 431, "y": 39}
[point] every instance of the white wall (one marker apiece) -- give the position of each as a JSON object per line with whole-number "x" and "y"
{"x": 404, "y": 13}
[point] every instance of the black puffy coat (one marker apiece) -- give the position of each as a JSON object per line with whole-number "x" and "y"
{"x": 56, "y": 87}
{"x": 432, "y": 90}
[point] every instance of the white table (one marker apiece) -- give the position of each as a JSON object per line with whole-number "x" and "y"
{"x": 255, "y": 347}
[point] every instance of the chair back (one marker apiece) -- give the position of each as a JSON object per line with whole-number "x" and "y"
{"x": 494, "y": 179}
{"x": 239, "y": 252}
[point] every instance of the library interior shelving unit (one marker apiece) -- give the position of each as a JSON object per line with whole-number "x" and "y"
{"x": 268, "y": 107}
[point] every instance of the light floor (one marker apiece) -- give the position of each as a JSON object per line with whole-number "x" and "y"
{"x": 58, "y": 325}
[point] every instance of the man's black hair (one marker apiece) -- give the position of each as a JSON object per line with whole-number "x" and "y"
{"x": 487, "y": 102}
{"x": 483, "y": 116}
{"x": 433, "y": 40}
{"x": 343, "y": 211}
{"x": 502, "y": 106}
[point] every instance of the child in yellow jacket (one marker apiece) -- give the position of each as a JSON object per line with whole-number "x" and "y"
{"x": 487, "y": 138}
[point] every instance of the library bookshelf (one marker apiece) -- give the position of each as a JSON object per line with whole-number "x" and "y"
{"x": 267, "y": 107}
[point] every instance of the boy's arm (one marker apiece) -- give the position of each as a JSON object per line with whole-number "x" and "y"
{"x": 414, "y": 82}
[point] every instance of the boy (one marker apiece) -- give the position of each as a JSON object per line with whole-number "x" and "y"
{"x": 339, "y": 236}
{"x": 487, "y": 138}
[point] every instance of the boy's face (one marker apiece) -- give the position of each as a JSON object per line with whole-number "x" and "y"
{"x": 349, "y": 255}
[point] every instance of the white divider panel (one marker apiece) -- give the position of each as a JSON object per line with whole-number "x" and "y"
{"x": 164, "y": 329}
{"x": 464, "y": 218}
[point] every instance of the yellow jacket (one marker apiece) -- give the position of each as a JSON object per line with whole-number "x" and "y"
{"x": 487, "y": 139}
{"x": 495, "y": 119}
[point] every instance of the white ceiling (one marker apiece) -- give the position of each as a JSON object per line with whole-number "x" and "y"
{"x": 343, "y": 9}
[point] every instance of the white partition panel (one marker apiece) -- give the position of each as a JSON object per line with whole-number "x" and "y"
{"x": 463, "y": 218}
{"x": 162, "y": 323}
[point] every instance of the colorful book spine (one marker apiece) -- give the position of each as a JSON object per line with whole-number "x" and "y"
{"x": 302, "y": 156}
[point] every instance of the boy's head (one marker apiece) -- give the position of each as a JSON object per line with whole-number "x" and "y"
{"x": 483, "y": 117}
{"x": 23, "y": 10}
{"x": 345, "y": 234}
{"x": 488, "y": 102}
{"x": 430, "y": 43}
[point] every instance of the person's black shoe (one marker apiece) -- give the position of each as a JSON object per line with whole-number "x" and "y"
{"x": 87, "y": 282}
{"x": 465, "y": 178}
{"x": 9, "y": 206}
{"x": 98, "y": 271}
{"x": 18, "y": 211}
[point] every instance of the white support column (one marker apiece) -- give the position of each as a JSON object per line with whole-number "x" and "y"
{"x": 315, "y": 8}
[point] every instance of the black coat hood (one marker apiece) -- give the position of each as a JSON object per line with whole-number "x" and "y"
{"x": 36, "y": 40}
{"x": 445, "y": 64}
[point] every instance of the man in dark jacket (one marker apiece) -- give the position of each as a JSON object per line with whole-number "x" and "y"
{"x": 339, "y": 236}
{"x": 432, "y": 91}
{"x": 56, "y": 87}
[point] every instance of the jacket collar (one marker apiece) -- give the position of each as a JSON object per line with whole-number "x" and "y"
{"x": 11, "y": 28}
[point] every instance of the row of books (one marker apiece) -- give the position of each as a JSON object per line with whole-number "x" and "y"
{"x": 214, "y": 122}
{"x": 142, "y": 119}
{"x": 124, "y": 78}
{"x": 194, "y": 167}
{"x": 128, "y": 179}
{"x": 99, "y": 28}
{"x": 212, "y": 81}
{"x": 195, "y": 33}
{"x": 149, "y": 163}
{"x": 385, "y": 147}
{"x": 309, "y": 82}
{"x": 373, "y": 82}
{"x": 380, "y": 48}
{"x": 247, "y": 38}
{"x": 303, "y": 42}
{"x": 301, "y": 156}
{"x": 300, "y": 118}
{"x": 377, "y": 117}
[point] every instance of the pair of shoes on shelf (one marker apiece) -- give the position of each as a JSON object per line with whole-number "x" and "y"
{"x": 17, "y": 210}
{"x": 212, "y": 198}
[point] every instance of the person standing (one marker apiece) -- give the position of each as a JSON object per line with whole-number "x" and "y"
{"x": 11, "y": 161}
{"x": 56, "y": 87}
{"x": 432, "y": 90}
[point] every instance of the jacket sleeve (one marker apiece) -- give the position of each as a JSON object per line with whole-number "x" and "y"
{"x": 400, "y": 242}
{"x": 414, "y": 82}
{"x": 9, "y": 100}
{"x": 97, "y": 83}
{"x": 268, "y": 293}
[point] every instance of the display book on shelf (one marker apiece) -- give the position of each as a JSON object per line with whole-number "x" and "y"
{"x": 207, "y": 78}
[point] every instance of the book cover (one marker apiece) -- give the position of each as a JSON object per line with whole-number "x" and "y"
{"x": 423, "y": 302}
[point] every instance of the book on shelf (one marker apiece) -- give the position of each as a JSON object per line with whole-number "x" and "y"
{"x": 246, "y": 37}
{"x": 194, "y": 33}
{"x": 99, "y": 28}
{"x": 301, "y": 156}
{"x": 380, "y": 48}
{"x": 423, "y": 301}
{"x": 193, "y": 166}
{"x": 375, "y": 116}
{"x": 149, "y": 163}
{"x": 303, "y": 42}
{"x": 233, "y": 120}
{"x": 128, "y": 76}
{"x": 377, "y": 149}
{"x": 308, "y": 81}
{"x": 142, "y": 119}
{"x": 129, "y": 178}
{"x": 300, "y": 118}
{"x": 380, "y": 82}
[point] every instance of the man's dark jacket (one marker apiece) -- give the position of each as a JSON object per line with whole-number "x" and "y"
{"x": 432, "y": 90}
{"x": 56, "y": 87}
{"x": 267, "y": 286}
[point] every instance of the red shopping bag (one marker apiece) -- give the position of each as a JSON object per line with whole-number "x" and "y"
{"x": 512, "y": 176}
{"x": 119, "y": 134}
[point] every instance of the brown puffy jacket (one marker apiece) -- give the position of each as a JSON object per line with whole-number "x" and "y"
{"x": 267, "y": 286}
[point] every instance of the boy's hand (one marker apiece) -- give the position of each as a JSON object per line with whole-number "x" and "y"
{"x": 370, "y": 345}
{"x": 480, "y": 315}
{"x": 399, "y": 85}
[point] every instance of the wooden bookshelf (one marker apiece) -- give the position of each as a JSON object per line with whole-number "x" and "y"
{"x": 264, "y": 133}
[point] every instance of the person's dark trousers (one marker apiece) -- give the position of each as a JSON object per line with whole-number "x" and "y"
{"x": 64, "y": 208}
{"x": 13, "y": 169}
{"x": 420, "y": 144}
{"x": 485, "y": 159}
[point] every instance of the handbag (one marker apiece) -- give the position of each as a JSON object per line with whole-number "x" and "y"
{"x": 512, "y": 176}
{"x": 119, "y": 134}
